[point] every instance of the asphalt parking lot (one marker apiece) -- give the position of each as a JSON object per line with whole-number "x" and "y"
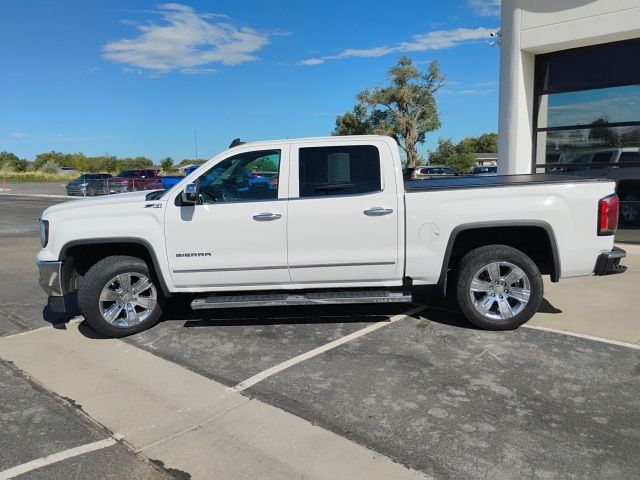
{"x": 428, "y": 390}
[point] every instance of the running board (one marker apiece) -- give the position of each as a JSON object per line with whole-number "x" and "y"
{"x": 282, "y": 299}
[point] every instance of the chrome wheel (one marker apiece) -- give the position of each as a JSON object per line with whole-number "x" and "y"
{"x": 500, "y": 290}
{"x": 128, "y": 299}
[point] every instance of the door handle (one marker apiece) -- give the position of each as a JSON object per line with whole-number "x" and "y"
{"x": 378, "y": 211}
{"x": 266, "y": 217}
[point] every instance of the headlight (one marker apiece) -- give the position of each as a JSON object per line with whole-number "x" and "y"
{"x": 44, "y": 232}
{"x": 84, "y": 184}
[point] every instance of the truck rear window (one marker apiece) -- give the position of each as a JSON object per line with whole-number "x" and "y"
{"x": 344, "y": 170}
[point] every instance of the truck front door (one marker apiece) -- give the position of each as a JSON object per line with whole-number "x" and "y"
{"x": 235, "y": 236}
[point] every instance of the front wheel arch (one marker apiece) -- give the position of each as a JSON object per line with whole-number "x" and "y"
{"x": 134, "y": 309}
{"x": 84, "y": 253}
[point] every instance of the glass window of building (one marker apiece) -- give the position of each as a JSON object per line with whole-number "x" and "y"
{"x": 587, "y": 120}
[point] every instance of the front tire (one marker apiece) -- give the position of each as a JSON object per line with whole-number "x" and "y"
{"x": 120, "y": 296}
{"x": 499, "y": 287}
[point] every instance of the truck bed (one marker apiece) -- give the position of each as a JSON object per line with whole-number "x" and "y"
{"x": 471, "y": 181}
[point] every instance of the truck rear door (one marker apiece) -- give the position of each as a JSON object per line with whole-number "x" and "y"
{"x": 343, "y": 220}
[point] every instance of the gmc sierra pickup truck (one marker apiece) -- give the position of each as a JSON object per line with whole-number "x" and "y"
{"x": 336, "y": 224}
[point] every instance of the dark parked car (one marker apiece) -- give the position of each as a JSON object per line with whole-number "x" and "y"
{"x": 89, "y": 184}
{"x": 430, "y": 171}
{"x": 485, "y": 170}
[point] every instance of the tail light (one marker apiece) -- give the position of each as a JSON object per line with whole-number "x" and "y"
{"x": 608, "y": 208}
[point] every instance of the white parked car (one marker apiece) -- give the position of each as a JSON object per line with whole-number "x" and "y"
{"x": 339, "y": 226}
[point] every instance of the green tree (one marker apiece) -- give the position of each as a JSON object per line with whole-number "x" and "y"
{"x": 137, "y": 162}
{"x": 264, "y": 164}
{"x": 11, "y": 163}
{"x": 167, "y": 164}
{"x": 485, "y": 143}
{"x": 188, "y": 161}
{"x": 457, "y": 156}
{"x": 602, "y": 132}
{"x": 50, "y": 166}
{"x": 79, "y": 162}
{"x": 405, "y": 109}
{"x": 43, "y": 158}
{"x": 107, "y": 163}
{"x": 355, "y": 122}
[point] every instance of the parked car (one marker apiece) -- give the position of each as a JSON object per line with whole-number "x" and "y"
{"x": 430, "y": 171}
{"x": 621, "y": 165}
{"x": 165, "y": 182}
{"x": 132, "y": 180}
{"x": 485, "y": 170}
{"x": 341, "y": 227}
{"x": 89, "y": 184}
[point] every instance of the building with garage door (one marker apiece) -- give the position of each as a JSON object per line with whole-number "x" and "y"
{"x": 570, "y": 93}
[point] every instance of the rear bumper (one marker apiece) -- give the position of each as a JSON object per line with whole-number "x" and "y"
{"x": 608, "y": 263}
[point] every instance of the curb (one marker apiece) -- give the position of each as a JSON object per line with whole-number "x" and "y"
{"x": 42, "y": 195}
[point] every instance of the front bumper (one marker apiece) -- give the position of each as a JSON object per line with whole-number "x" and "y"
{"x": 608, "y": 263}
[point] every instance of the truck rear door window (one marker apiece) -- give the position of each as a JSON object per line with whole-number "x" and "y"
{"x": 345, "y": 170}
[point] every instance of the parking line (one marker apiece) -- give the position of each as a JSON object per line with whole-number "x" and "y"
{"x": 249, "y": 382}
{"x": 582, "y": 335}
{"x": 56, "y": 457}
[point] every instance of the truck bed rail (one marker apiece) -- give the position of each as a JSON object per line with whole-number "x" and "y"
{"x": 471, "y": 181}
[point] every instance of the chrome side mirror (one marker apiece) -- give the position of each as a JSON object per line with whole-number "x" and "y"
{"x": 190, "y": 194}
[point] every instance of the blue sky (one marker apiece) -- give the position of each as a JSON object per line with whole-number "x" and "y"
{"x": 137, "y": 78}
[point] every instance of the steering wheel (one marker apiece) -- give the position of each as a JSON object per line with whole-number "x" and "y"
{"x": 216, "y": 193}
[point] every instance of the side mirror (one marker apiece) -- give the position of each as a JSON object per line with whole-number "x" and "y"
{"x": 190, "y": 194}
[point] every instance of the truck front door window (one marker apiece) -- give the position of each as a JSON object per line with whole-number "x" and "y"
{"x": 246, "y": 177}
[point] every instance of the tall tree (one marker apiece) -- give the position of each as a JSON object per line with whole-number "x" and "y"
{"x": 600, "y": 131}
{"x": 405, "y": 109}
{"x": 167, "y": 164}
{"x": 457, "y": 156}
{"x": 485, "y": 143}
{"x": 10, "y": 162}
{"x": 355, "y": 122}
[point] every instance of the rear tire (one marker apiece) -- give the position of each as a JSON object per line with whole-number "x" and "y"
{"x": 120, "y": 296}
{"x": 498, "y": 287}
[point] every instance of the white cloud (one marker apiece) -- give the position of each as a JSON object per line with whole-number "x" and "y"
{"x": 18, "y": 135}
{"x": 62, "y": 137}
{"x": 198, "y": 71}
{"x": 184, "y": 40}
{"x": 436, "y": 40}
{"x": 485, "y": 8}
{"x": 312, "y": 61}
{"x": 468, "y": 89}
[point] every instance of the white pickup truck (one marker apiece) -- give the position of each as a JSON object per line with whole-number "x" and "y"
{"x": 325, "y": 221}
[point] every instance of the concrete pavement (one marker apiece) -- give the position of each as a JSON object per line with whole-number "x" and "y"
{"x": 607, "y": 307}
{"x": 184, "y": 420}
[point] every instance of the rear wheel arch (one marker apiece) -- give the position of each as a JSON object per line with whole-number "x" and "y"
{"x": 80, "y": 255}
{"x": 534, "y": 238}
